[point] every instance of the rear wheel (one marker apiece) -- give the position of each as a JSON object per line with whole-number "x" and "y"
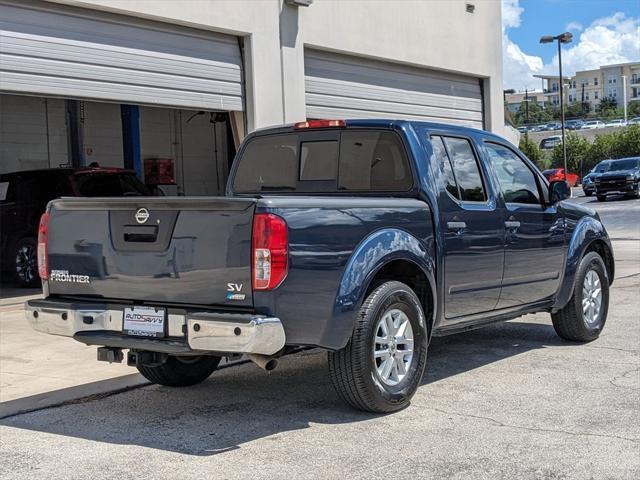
{"x": 24, "y": 262}
{"x": 588, "y": 193}
{"x": 381, "y": 367}
{"x": 602, "y": 198}
{"x": 583, "y": 318}
{"x": 180, "y": 371}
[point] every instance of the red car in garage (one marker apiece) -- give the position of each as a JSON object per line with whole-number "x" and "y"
{"x": 557, "y": 174}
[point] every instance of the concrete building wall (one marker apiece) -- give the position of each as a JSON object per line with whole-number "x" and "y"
{"x": 437, "y": 34}
{"x": 32, "y": 133}
{"x": 101, "y": 125}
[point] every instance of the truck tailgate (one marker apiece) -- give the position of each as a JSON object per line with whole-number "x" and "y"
{"x": 160, "y": 249}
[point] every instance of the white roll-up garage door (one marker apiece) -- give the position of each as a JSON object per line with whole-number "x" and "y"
{"x": 340, "y": 86}
{"x": 67, "y": 52}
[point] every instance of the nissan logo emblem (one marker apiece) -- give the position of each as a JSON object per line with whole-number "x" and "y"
{"x": 142, "y": 215}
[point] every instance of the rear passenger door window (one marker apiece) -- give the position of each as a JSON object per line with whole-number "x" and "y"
{"x": 466, "y": 169}
{"x": 446, "y": 170}
{"x": 517, "y": 182}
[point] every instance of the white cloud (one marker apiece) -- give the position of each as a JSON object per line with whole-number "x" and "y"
{"x": 518, "y": 67}
{"x": 613, "y": 39}
{"x": 511, "y": 12}
{"x": 574, "y": 27}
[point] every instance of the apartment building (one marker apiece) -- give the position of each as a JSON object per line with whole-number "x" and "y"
{"x": 514, "y": 101}
{"x": 617, "y": 82}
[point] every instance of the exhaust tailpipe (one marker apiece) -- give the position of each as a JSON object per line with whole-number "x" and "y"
{"x": 265, "y": 362}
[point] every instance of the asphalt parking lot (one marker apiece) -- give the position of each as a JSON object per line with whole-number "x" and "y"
{"x": 509, "y": 401}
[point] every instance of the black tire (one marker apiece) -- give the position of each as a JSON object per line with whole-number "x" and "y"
{"x": 23, "y": 262}
{"x": 588, "y": 194}
{"x": 180, "y": 371}
{"x": 634, "y": 194}
{"x": 570, "y": 323}
{"x": 602, "y": 198}
{"x": 354, "y": 370}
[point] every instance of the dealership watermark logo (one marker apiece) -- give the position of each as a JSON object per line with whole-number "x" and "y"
{"x": 234, "y": 291}
{"x": 142, "y": 215}
{"x": 65, "y": 276}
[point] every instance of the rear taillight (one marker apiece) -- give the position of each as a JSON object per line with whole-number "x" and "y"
{"x": 270, "y": 245}
{"x": 43, "y": 235}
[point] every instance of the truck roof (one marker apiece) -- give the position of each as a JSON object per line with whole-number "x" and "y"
{"x": 391, "y": 123}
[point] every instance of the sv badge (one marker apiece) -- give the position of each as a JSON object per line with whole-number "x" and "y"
{"x": 234, "y": 291}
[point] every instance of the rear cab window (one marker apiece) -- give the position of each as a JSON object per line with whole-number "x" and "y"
{"x": 324, "y": 161}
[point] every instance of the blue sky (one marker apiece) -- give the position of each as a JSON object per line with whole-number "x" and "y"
{"x": 605, "y": 31}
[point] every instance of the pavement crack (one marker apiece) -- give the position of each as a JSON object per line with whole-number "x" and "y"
{"x": 635, "y": 352}
{"x": 624, "y": 375}
{"x": 530, "y": 429}
{"x": 629, "y": 276}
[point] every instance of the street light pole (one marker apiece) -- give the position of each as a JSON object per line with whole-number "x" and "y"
{"x": 624, "y": 96}
{"x": 564, "y": 143}
{"x": 565, "y": 37}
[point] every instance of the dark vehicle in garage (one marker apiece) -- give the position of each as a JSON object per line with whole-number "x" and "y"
{"x": 362, "y": 237}
{"x": 623, "y": 176}
{"x": 24, "y": 197}
{"x": 588, "y": 181}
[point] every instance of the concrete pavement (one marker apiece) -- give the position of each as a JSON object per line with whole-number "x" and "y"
{"x": 508, "y": 401}
{"x": 38, "y": 370}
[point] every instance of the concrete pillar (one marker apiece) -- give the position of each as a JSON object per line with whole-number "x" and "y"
{"x": 263, "y": 80}
{"x": 292, "y": 64}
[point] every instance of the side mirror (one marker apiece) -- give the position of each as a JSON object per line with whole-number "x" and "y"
{"x": 558, "y": 191}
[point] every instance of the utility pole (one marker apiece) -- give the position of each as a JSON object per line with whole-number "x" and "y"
{"x": 526, "y": 105}
{"x": 562, "y": 38}
{"x": 624, "y": 96}
{"x": 564, "y": 143}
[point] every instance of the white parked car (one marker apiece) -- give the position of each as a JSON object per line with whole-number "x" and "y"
{"x": 616, "y": 123}
{"x": 634, "y": 121}
{"x": 592, "y": 124}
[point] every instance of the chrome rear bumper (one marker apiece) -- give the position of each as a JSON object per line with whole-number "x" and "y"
{"x": 206, "y": 331}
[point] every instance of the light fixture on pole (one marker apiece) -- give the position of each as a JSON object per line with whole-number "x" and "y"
{"x": 565, "y": 37}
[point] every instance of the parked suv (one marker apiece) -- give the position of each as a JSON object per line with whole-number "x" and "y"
{"x": 24, "y": 196}
{"x": 588, "y": 181}
{"x": 623, "y": 176}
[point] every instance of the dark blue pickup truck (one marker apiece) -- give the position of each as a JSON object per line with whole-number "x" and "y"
{"x": 363, "y": 237}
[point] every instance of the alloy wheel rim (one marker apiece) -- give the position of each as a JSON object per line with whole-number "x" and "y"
{"x": 26, "y": 262}
{"x": 591, "y": 298}
{"x": 393, "y": 347}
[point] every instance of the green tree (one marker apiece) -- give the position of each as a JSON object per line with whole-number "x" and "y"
{"x": 532, "y": 151}
{"x": 633, "y": 109}
{"x": 537, "y": 114}
{"x": 608, "y": 108}
{"x": 625, "y": 143}
{"x": 576, "y": 110}
{"x": 577, "y": 150}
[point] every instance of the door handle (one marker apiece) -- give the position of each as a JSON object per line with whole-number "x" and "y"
{"x": 512, "y": 224}
{"x": 456, "y": 225}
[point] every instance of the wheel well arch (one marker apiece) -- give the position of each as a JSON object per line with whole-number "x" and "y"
{"x": 412, "y": 275}
{"x": 602, "y": 249}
